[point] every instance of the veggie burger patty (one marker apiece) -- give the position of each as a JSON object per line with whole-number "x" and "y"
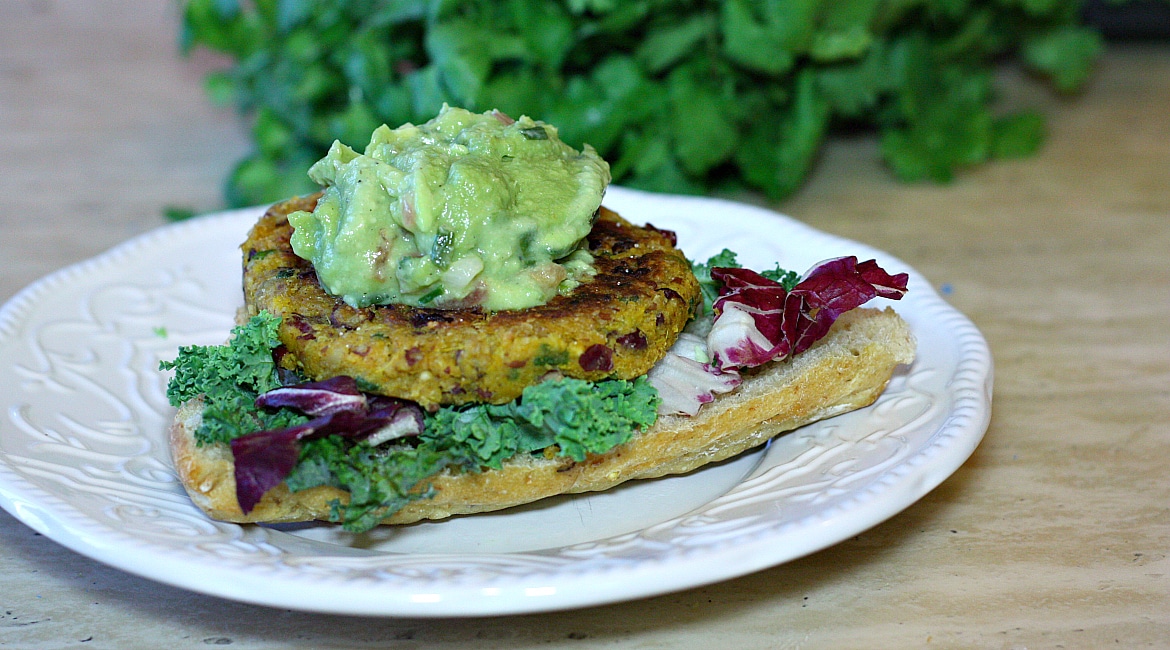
{"x": 616, "y": 325}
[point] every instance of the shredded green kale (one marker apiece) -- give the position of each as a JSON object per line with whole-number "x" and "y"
{"x": 787, "y": 279}
{"x": 380, "y": 480}
{"x": 709, "y": 286}
{"x": 230, "y": 377}
{"x": 578, "y": 417}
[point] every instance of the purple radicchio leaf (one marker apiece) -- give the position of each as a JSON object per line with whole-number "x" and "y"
{"x": 263, "y": 459}
{"x": 317, "y": 397}
{"x": 400, "y": 419}
{"x": 684, "y": 380}
{"x": 757, "y": 320}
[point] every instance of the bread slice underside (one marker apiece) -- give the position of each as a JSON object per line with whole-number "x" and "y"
{"x": 845, "y": 371}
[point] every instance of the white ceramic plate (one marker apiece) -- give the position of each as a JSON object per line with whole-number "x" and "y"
{"x": 83, "y": 458}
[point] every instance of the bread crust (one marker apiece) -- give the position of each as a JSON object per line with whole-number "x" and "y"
{"x": 846, "y": 370}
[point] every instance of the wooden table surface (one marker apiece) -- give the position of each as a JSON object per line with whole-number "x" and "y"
{"x": 1054, "y": 534}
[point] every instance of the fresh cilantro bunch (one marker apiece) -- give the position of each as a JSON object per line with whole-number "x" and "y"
{"x": 679, "y": 95}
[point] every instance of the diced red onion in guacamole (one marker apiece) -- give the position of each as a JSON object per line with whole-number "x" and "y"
{"x": 757, "y": 320}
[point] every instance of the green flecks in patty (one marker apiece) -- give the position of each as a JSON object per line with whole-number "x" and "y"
{"x": 548, "y": 356}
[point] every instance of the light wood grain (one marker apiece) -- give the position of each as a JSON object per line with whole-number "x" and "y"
{"x": 1054, "y": 534}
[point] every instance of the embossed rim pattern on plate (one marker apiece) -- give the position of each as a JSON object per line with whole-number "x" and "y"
{"x": 91, "y": 471}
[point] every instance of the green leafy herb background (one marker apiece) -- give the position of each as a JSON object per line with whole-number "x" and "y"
{"x": 683, "y": 96}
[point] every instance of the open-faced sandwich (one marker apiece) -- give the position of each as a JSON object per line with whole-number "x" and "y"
{"x": 456, "y": 325}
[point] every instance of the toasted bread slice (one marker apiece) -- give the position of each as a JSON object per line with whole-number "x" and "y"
{"x": 846, "y": 370}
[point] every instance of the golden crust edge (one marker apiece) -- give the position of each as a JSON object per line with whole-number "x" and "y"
{"x": 845, "y": 371}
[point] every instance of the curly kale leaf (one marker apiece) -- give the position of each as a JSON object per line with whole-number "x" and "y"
{"x": 230, "y": 377}
{"x": 725, "y": 258}
{"x": 586, "y": 418}
{"x": 380, "y": 480}
{"x": 788, "y": 279}
{"x": 580, "y": 417}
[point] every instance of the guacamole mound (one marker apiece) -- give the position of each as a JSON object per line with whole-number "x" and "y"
{"x": 465, "y": 210}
